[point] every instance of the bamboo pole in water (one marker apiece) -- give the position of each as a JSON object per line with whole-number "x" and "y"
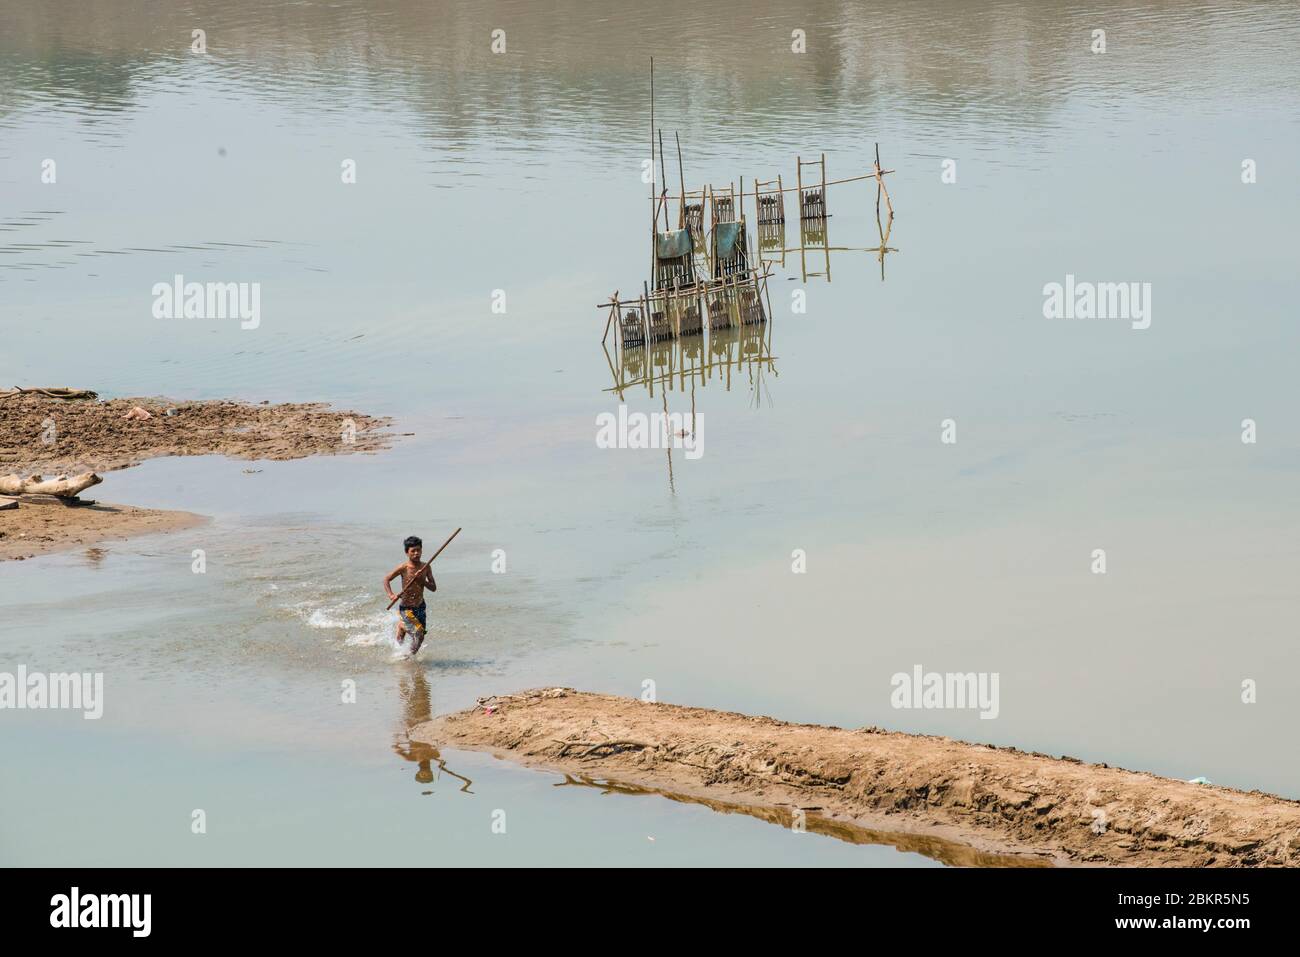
{"x": 654, "y": 197}
{"x": 881, "y": 187}
{"x": 681, "y": 173}
{"x": 798, "y": 174}
{"x": 663, "y": 169}
{"x": 825, "y": 207}
{"x": 839, "y": 182}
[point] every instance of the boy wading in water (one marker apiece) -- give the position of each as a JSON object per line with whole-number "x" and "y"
{"x": 411, "y": 611}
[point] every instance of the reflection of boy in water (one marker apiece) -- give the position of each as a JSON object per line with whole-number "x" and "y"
{"x": 416, "y": 708}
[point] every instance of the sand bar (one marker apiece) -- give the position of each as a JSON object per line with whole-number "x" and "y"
{"x": 992, "y": 800}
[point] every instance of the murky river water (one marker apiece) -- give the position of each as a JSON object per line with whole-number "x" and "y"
{"x": 486, "y": 178}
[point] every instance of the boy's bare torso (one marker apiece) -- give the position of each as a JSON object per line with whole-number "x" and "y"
{"x": 415, "y": 580}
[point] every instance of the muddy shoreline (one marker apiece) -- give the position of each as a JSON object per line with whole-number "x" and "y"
{"x": 40, "y": 434}
{"x": 1031, "y": 808}
{"x": 46, "y": 435}
{"x": 43, "y": 525}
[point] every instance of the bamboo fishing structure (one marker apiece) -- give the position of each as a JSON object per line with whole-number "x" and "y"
{"x": 813, "y": 196}
{"x": 704, "y": 285}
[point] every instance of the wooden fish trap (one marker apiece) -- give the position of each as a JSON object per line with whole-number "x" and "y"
{"x": 769, "y": 203}
{"x": 812, "y": 199}
{"x": 727, "y": 265}
{"x": 686, "y": 309}
{"x": 659, "y": 324}
{"x": 674, "y": 271}
{"x": 678, "y": 309}
{"x": 750, "y": 304}
{"x": 631, "y": 324}
{"x": 721, "y": 306}
{"x": 722, "y": 205}
{"x": 728, "y": 244}
{"x": 693, "y": 214}
{"x": 661, "y": 330}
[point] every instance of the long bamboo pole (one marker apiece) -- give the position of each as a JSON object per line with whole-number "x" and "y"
{"x": 825, "y": 207}
{"x": 654, "y": 206}
{"x": 881, "y": 187}
{"x": 663, "y": 169}
{"x": 681, "y": 173}
{"x": 833, "y": 182}
{"x": 798, "y": 174}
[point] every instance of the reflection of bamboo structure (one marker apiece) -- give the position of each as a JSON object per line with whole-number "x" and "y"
{"x": 679, "y": 365}
{"x": 813, "y": 233}
{"x": 884, "y": 246}
{"x": 771, "y": 240}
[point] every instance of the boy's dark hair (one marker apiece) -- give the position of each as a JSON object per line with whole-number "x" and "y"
{"x": 412, "y": 542}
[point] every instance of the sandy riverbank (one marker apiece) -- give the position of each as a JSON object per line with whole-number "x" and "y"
{"x": 988, "y": 799}
{"x": 46, "y": 524}
{"x": 44, "y": 435}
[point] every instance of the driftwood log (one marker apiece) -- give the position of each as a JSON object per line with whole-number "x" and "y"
{"x": 53, "y": 392}
{"x": 63, "y": 486}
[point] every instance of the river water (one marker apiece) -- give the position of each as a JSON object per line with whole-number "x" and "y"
{"x": 513, "y": 179}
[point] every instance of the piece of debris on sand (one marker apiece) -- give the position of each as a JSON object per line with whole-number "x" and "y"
{"x": 990, "y": 799}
